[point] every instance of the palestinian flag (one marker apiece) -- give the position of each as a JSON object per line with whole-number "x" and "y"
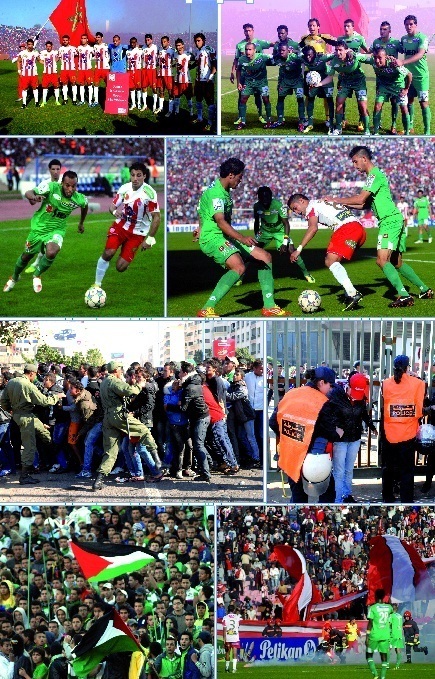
{"x": 107, "y": 635}
{"x": 106, "y": 561}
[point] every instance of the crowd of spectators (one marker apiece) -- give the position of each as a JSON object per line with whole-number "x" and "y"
{"x": 305, "y": 166}
{"x": 47, "y": 604}
{"x": 333, "y": 539}
{"x": 23, "y": 150}
{"x": 201, "y": 419}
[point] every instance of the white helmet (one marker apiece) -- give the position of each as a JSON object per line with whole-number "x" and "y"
{"x": 316, "y": 471}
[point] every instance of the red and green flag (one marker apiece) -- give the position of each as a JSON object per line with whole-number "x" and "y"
{"x": 107, "y": 635}
{"x": 106, "y": 561}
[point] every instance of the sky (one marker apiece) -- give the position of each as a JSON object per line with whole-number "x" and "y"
{"x": 172, "y": 15}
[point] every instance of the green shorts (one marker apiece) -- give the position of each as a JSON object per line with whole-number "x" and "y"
{"x": 381, "y": 645}
{"x": 320, "y": 92}
{"x": 36, "y": 242}
{"x": 392, "y": 235}
{"x": 345, "y": 90}
{"x": 397, "y": 643}
{"x": 220, "y": 249}
{"x": 389, "y": 92}
{"x": 260, "y": 87}
{"x": 264, "y": 238}
{"x": 290, "y": 85}
{"x": 419, "y": 88}
{"x": 423, "y": 221}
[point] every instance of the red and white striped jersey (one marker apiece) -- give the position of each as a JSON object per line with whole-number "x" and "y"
{"x": 137, "y": 208}
{"x": 149, "y": 57}
{"x": 85, "y": 52}
{"x": 101, "y": 54}
{"x": 134, "y": 59}
{"x": 28, "y": 62}
{"x": 49, "y": 59}
{"x": 205, "y": 58}
{"x": 67, "y": 58}
{"x": 330, "y": 215}
{"x": 164, "y": 62}
{"x": 182, "y": 74}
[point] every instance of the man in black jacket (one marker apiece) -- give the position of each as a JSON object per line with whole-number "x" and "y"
{"x": 193, "y": 404}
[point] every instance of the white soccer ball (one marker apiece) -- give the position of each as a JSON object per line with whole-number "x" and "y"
{"x": 309, "y": 301}
{"x": 316, "y": 468}
{"x": 313, "y": 78}
{"x": 95, "y": 297}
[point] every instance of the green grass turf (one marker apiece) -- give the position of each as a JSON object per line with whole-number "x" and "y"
{"x": 192, "y": 276}
{"x": 82, "y": 120}
{"x": 253, "y": 127}
{"x": 136, "y": 292}
{"x": 308, "y": 671}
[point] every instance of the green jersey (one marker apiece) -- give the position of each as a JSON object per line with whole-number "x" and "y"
{"x": 213, "y": 200}
{"x": 291, "y": 44}
{"x": 320, "y": 63}
{"x": 254, "y": 70}
{"x": 392, "y": 46}
{"x": 289, "y": 69}
{"x": 354, "y": 42}
{"x": 382, "y": 202}
{"x": 55, "y": 208}
{"x": 411, "y": 44}
{"x": 396, "y": 624}
{"x": 380, "y": 615}
{"x": 349, "y": 70}
{"x": 422, "y": 205}
{"x": 271, "y": 218}
{"x": 260, "y": 45}
{"x": 388, "y": 74}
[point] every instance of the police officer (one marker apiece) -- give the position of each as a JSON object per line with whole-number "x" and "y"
{"x": 113, "y": 391}
{"x": 20, "y": 396}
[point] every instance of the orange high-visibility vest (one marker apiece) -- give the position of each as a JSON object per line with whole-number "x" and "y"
{"x": 297, "y": 414}
{"x": 403, "y": 406}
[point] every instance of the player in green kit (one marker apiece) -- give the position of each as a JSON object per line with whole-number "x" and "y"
{"x": 392, "y": 84}
{"x": 391, "y": 245}
{"x": 271, "y": 225}
{"x": 378, "y": 633}
{"x": 290, "y": 79}
{"x": 357, "y": 43}
{"x": 422, "y": 210}
{"x": 392, "y": 48}
{"x": 252, "y": 79}
{"x": 414, "y": 47}
{"x": 313, "y": 61}
{"x": 227, "y": 246}
{"x": 48, "y": 225}
{"x": 260, "y": 45}
{"x": 396, "y": 641}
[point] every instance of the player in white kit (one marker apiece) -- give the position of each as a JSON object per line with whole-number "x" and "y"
{"x": 204, "y": 81}
{"x": 349, "y": 234}
{"x": 48, "y": 59}
{"x": 165, "y": 81}
{"x": 85, "y": 73}
{"x": 102, "y": 63}
{"x": 68, "y": 74}
{"x": 231, "y": 623}
{"x": 182, "y": 81}
{"x": 149, "y": 71}
{"x": 27, "y": 59}
{"x": 134, "y": 67}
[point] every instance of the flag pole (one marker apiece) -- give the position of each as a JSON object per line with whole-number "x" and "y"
{"x": 43, "y": 25}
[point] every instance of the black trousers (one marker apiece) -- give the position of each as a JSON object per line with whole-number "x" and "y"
{"x": 398, "y": 464}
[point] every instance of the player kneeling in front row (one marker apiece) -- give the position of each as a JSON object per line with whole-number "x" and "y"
{"x": 137, "y": 218}
{"x": 349, "y": 234}
{"x": 220, "y": 241}
{"x": 48, "y": 225}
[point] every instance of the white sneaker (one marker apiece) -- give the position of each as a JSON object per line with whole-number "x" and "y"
{"x": 429, "y": 240}
{"x": 336, "y": 133}
{"x": 417, "y": 242}
{"x": 158, "y": 110}
{"x": 37, "y": 284}
{"x": 9, "y": 285}
{"x": 367, "y": 133}
{"x": 132, "y": 107}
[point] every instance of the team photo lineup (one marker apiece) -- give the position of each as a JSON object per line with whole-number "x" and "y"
{"x": 342, "y": 48}
{"x": 106, "y": 591}
{"x": 375, "y": 262}
{"x": 117, "y": 189}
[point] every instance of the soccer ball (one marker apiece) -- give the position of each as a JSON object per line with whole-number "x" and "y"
{"x": 309, "y": 301}
{"x": 313, "y": 78}
{"x": 95, "y": 297}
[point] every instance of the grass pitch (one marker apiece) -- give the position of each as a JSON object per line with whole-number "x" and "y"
{"x": 253, "y": 127}
{"x": 139, "y": 291}
{"x": 82, "y": 120}
{"x": 311, "y": 671}
{"x": 192, "y": 276}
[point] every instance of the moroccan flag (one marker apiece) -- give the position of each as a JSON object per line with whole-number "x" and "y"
{"x": 69, "y": 18}
{"x": 295, "y": 606}
{"x": 106, "y": 561}
{"x": 333, "y": 13}
{"x": 107, "y": 635}
{"x": 396, "y": 567}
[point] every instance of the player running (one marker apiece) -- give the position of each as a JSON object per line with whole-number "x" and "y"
{"x": 27, "y": 69}
{"x": 252, "y": 79}
{"x": 137, "y": 218}
{"x": 412, "y": 636}
{"x": 271, "y": 225}
{"x": 229, "y": 248}
{"x": 396, "y": 641}
{"x": 230, "y": 624}
{"x": 48, "y": 58}
{"x": 415, "y": 46}
{"x": 378, "y": 633}
{"x": 422, "y": 210}
{"x": 48, "y": 225}
{"x": 391, "y": 245}
{"x": 349, "y": 234}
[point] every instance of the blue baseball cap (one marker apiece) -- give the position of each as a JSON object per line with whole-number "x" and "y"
{"x": 326, "y": 374}
{"x": 401, "y": 361}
